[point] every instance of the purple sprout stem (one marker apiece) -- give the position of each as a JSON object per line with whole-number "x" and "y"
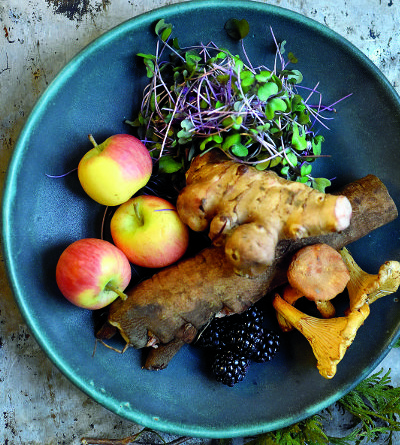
{"x": 246, "y": 56}
{"x": 330, "y": 107}
{"x": 61, "y": 176}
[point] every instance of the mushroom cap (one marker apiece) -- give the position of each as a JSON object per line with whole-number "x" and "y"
{"x": 319, "y": 272}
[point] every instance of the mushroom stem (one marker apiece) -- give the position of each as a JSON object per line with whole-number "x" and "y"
{"x": 290, "y": 295}
{"x": 329, "y": 338}
{"x": 325, "y": 308}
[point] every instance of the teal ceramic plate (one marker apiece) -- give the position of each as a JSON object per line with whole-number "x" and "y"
{"x": 94, "y": 93}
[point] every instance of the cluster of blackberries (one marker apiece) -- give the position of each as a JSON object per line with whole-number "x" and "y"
{"x": 236, "y": 341}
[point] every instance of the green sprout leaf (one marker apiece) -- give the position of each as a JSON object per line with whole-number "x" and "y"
{"x": 273, "y": 106}
{"x": 303, "y": 180}
{"x": 185, "y": 134}
{"x": 167, "y": 164}
{"x": 293, "y": 76}
{"x": 263, "y": 76}
{"x": 285, "y": 170}
{"x": 237, "y": 29}
{"x": 292, "y": 58}
{"x": 148, "y": 60}
{"x": 321, "y": 184}
{"x": 263, "y": 165}
{"x": 300, "y": 110}
{"x": 231, "y": 140}
{"x": 233, "y": 121}
{"x": 215, "y": 139}
{"x": 305, "y": 169}
{"x": 239, "y": 150}
{"x": 267, "y": 90}
{"x": 247, "y": 80}
{"x": 239, "y": 64}
{"x": 291, "y": 159}
{"x": 275, "y": 161}
{"x": 192, "y": 60}
{"x": 299, "y": 141}
{"x": 163, "y": 30}
{"x": 316, "y": 145}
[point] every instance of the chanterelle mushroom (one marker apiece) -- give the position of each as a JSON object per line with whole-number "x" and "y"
{"x": 290, "y": 295}
{"x": 366, "y": 288}
{"x": 329, "y": 338}
{"x": 319, "y": 272}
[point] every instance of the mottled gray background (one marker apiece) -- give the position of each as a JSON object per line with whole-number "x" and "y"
{"x": 37, "y": 38}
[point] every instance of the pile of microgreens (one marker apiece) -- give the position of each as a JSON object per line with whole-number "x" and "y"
{"x": 204, "y": 97}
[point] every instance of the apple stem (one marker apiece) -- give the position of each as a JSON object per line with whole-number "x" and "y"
{"x": 137, "y": 213}
{"x": 121, "y": 294}
{"x": 93, "y": 141}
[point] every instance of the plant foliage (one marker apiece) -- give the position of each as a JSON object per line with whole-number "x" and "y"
{"x": 205, "y": 97}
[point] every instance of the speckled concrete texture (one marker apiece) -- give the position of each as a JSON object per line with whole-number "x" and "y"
{"x": 38, "y": 405}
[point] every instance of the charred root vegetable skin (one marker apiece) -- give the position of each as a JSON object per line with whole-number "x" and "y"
{"x": 250, "y": 211}
{"x": 169, "y": 308}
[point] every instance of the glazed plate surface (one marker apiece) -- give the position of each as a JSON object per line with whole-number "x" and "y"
{"x": 95, "y": 93}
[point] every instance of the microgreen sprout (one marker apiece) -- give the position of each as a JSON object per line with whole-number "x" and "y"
{"x": 204, "y": 97}
{"x": 62, "y": 175}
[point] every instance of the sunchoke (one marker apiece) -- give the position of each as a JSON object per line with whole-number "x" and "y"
{"x": 177, "y": 301}
{"x": 248, "y": 211}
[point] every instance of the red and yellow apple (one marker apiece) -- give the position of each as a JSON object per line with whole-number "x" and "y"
{"x": 112, "y": 172}
{"x": 149, "y": 231}
{"x": 91, "y": 273}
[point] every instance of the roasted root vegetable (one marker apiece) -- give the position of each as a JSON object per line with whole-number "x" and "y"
{"x": 365, "y": 288}
{"x": 248, "y": 211}
{"x": 179, "y": 300}
{"x": 329, "y": 338}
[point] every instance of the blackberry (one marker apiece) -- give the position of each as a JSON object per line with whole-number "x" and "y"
{"x": 229, "y": 368}
{"x": 212, "y": 337}
{"x": 253, "y": 314}
{"x": 237, "y": 340}
{"x": 244, "y": 339}
{"x": 267, "y": 347}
